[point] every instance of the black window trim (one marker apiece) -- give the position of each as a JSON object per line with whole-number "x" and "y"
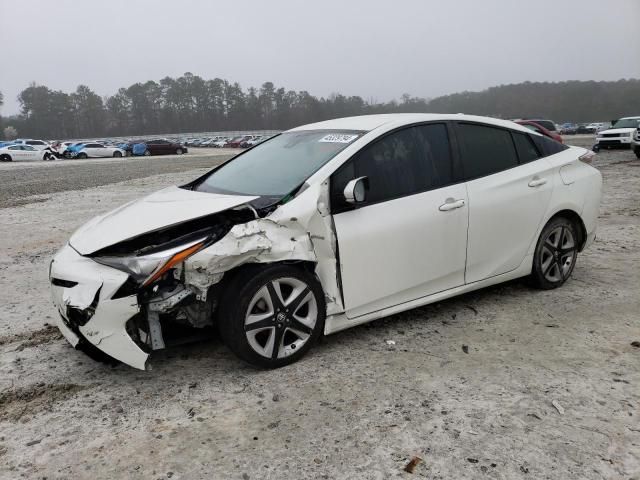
{"x": 535, "y": 147}
{"x": 452, "y": 154}
{"x": 500, "y": 127}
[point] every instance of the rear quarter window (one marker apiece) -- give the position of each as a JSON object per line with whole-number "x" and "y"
{"x": 548, "y": 146}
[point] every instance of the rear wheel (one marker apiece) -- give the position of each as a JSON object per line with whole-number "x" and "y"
{"x": 179, "y": 151}
{"x": 272, "y": 316}
{"x": 82, "y": 155}
{"x": 117, "y": 154}
{"x": 147, "y": 153}
{"x": 555, "y": 255}
{"x": 637, "y": 152}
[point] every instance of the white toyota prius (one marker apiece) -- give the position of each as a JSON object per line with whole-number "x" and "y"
{"x": 324, "y": 227}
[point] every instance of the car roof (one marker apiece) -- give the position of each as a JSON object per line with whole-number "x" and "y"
{"x": 371, "y": 122}
{"x": 629, "y": 118}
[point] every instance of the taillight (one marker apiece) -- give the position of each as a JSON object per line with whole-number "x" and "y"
{"x": 587, "y": 157}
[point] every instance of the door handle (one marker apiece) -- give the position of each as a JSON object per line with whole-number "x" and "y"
{"x": 451, "y": 204}
{"x": 537, "y": 181}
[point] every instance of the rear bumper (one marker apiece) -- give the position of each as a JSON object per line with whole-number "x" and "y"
{"x": 82, "y": 291}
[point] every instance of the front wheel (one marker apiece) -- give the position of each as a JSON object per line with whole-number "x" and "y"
{"x": 271, "y": 317}
{"x": 637, "y": 152}
{"x": 5, "y": 158}
{"x": 117, "y": 154}
{"x": 555, "y": 255}
{"x": 147, "y": 153}
{"x": 82, "y": 156}
{"x": 179, "y": 151}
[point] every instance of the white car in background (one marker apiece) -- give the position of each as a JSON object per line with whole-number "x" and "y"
{"x": 620, "y": 135}
{"x": 324, "y": 227}
{"x": 37, "y": 144}
{"x": 220, "y": 143}
{"x": 96, "y": 150}
{"x": 20, "y": 152}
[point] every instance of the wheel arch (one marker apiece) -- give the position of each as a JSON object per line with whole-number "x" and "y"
{"x": 576, "y": 219}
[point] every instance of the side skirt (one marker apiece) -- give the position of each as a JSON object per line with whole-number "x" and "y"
{"x": 336, "y": 323}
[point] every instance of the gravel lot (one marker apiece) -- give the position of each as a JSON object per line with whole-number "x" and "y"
{"x": 24, "y": 179}
{"x": 355, "y": 407}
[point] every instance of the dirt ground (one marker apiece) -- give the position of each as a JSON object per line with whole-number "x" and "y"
{"x": 469, "y": 386}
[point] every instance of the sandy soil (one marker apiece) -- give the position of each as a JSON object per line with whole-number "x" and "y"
{"x": 468, "y": 386}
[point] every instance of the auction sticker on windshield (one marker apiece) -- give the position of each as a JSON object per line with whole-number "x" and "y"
{"x": 338, "y": 138}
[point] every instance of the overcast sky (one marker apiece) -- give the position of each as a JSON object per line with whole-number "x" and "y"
{"x": 378, "y": 49}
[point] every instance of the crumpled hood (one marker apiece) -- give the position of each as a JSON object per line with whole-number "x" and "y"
{"x": 164, "y": 208}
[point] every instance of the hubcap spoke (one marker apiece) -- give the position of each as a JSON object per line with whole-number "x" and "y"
{"x": 293, "y": 305}
{"x": 259, "y": 324}
{"x": 298, "y": 325}
{"x": 278, "y": 336}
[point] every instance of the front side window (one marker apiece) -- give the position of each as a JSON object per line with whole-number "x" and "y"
{"x": 409, "y": 161}
{"x": 278, "y": 166}
{"x": 485, "y": 150}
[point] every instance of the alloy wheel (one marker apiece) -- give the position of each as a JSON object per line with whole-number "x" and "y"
{"x": 281, "y": 317}
{"x": 558, "y": 254}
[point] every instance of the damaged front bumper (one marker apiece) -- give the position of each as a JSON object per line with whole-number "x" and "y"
{"x": 86, "y": 295}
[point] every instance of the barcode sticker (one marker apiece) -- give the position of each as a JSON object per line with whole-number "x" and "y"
{"x": 338, "y": 138}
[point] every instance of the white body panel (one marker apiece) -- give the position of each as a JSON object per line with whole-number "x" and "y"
{"x": 400, "y": 250}
{"x": 504, "y": 214}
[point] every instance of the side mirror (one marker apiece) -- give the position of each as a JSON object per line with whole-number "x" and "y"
{"x": 356, "y": 190}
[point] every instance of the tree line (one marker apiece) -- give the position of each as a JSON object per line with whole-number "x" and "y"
{"x": 192, "y": 104}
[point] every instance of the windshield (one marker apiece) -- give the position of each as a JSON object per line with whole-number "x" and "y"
{"x": 627, "y": 123}
{"x": 279, "y": 165}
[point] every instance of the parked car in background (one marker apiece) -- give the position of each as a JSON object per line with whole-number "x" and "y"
{"x": 596, "y": 127}
{"x": 536, "y": 127}
{"x": 221, "y": 143}
{"x": 235, "y": 143}
{"x": 250, "y": 248}
{"x": 635, "y": 143}
{"x": 37, "y": 144}
{"x": 21, "y": 152}
{"x": 620, "y": 135}
{"x": 162, "y": 146}
{"x": 546, "y": 124}
{"x": 568, "y": 129}
{"x": 94, "y": 150}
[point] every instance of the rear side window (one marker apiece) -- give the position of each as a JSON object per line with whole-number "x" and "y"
{"x": 527, "y": 151}
{"x": 547, "y": 145}
{"x": 485, "y": 150}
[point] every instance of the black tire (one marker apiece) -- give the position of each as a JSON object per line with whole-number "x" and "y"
{"x": 242, "y": 290}
{"x": 6, "y": 158}
{"x": 82, "y": 155}
{"x": 117, "y": 154}
{"x": 637, "y": 152}
{"x": 147, "y": 153}
{"x": 179, "y": 151}
{"x": 556, "y": 254}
